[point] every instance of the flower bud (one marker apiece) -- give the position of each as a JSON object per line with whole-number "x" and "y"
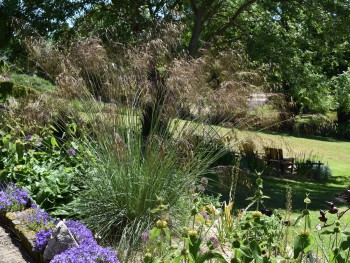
{"x": 161, "y": 224}
{"x": 185, "y": 252}
{"x": 194, "y": 211}
{"x": 192, "y": 233}
{"x": 256, "y": 214}
{"x": 148, "y": 256}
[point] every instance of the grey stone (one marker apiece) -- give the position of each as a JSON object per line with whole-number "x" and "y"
{"x": 61, "y": 239}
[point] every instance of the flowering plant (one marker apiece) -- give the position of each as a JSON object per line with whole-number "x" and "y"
{"x": 87, "y": 251}
{"x": 13, "y": 198}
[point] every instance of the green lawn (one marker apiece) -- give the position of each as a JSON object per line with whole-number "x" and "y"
{"x": 332, "y": 152}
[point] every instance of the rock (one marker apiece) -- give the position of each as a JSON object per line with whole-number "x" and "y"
{"x": 60, "y": 241}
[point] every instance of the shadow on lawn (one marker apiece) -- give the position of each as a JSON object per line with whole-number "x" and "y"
{"x": 275, "y": 188}
{"x": 311, "y": 137}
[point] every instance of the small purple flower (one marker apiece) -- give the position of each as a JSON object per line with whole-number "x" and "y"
{"x": 41, "y": 239}
{"x": 213, "y": 243}
{"x": 205, "y": 215}
{"x": 145, "y": 236}
{"x": 71, "y": 152}
{"x": 80, "y": 232}
{"x": 39, "y": 140}
{"x": 86, "y": 254}
{"x": 28, "y": 137}
{"x": 37, "y": 219}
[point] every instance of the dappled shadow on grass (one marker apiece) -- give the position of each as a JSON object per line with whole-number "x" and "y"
{"x": 311, "y": 137}
{"x": 275, "y": 188}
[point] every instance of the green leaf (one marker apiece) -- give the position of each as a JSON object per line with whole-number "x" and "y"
{"x": 256, "y": 251}
{"x": 155, "y": 232}
{"x": 53, "y": 142}
{"x": 345, "y": 245}
{"x": 297, "y": 220}
{"x": 178, "y": 259}
{"x": 336, "y": 257}
{"x": 327, "y": 232}
{"x": 194, "y": 245}
{"x": 74, "y": 145}
{"x": 301, "y": 244}
{"x": 207, "y": 256}
{"x": 245, "y": 251}
{"x": 168, "y": 235}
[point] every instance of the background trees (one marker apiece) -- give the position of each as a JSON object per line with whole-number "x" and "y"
{"x": 307, "y": 43}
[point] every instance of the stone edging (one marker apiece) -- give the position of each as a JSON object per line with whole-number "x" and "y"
{"x": 27, "y": 236}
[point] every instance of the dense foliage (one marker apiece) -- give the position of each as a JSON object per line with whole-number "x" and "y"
{"x": 307, "y": 43}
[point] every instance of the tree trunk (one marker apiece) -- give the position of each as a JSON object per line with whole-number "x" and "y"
{"x": 152, "y": 119}
{"x": 343, "y": 117}
{"x": 196, "y": 32}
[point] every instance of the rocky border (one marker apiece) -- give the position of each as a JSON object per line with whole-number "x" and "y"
{"x": 27, "y": 236}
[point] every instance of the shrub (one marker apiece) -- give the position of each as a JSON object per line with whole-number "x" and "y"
{"x": 316, "y": 124}
{"x": 9, "y": 89}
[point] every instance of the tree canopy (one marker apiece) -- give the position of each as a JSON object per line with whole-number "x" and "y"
{"x": 306, "y": 43}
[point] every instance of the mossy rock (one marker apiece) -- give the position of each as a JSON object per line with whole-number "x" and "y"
{"x": 9, "y": 89}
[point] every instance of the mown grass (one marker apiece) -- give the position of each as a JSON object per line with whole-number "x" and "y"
{"x": 334, "y": 153}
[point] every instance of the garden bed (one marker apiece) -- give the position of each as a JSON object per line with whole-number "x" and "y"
{"x": 47, "y": 239}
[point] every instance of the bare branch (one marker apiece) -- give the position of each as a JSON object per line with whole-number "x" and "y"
{"x": 233, "y": 19}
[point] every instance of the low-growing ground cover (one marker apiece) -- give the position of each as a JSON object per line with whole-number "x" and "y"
{"x": 38, "y": 228}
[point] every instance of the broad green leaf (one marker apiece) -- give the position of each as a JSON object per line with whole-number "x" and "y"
{"x": 345, "y": 245}
{"x": 155, "y": 232}
{"x": 301, "y": 244}
{"x": 168, "y": 235}
{"x": 256, "y": 251}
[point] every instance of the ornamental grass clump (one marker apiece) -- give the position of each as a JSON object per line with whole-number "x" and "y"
{"x": 130, "y": 173}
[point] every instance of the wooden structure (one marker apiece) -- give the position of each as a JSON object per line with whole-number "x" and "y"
{"x": 274, "y": 159}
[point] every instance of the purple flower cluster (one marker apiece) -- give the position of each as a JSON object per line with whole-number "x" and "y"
{"x": 88, "y": 250}
{"x": 146, "y": 236}
{"x": 213, "y": 243}
{"x": 41, "y": 239}
{"x": 81, "y": 233}
{"x": 37, "y": 218}
{"x": 13, "y": 198}
{"x": 86, "y": 254}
